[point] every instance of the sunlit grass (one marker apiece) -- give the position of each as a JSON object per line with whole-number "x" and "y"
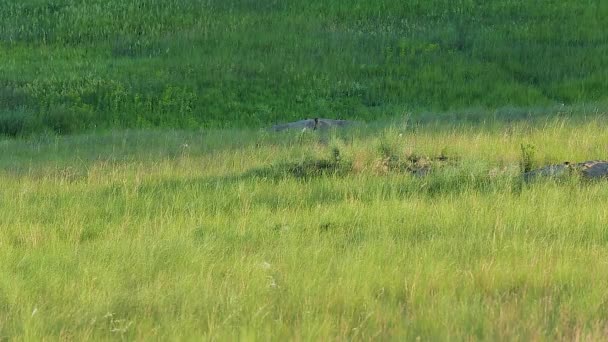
{"x": 168, "y": 234}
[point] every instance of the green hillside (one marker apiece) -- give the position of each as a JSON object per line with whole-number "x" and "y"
{"x": 73, "y": 65}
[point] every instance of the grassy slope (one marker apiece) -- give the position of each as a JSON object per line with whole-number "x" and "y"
{"x": 69, "y": 65}
{"x": 166, "y": 234}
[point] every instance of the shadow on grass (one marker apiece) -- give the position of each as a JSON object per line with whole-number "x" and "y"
{"x": 306, "y": 169}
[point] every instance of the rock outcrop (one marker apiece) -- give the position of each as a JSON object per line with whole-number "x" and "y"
{"x": 592, "y": 169}
{"x": 549, "y": 171}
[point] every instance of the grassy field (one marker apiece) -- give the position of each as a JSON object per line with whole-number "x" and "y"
{"x": 79, "y": 65}
{"x": 156, "y": 235}
{"x": 142, "y": 198}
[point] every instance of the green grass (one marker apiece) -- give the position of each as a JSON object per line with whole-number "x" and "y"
{"x": 72, "y": 65}
{"x": 166, "y": 213}
{"x": 170, "y": 235}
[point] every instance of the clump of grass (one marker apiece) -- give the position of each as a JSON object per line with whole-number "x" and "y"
{"x": 527, "y": 159}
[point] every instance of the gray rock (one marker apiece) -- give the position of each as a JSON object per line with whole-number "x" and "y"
{"x": 550, "y": 171}
{"x": 593, "y": 169}
{"x": 313, "y": 124}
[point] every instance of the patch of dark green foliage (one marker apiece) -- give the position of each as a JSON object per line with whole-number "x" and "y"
{"x": 305, "y": 169}
{"x": 189, "y": 63}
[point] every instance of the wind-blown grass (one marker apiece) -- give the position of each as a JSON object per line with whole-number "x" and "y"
{"x": 168, "y": 234}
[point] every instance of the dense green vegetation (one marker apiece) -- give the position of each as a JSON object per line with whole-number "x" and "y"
{"x": 72, "y": 65}
{"x": 179, "y": 235}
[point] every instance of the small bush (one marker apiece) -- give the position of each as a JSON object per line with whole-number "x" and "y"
{"x": 64, "y": 120}
{"x": 527, "y": 157}
{"x": 17, "y": 123}
{"x": 12, "y": 98}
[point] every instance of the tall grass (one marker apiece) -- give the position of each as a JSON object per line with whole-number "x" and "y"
{"x": 167, "y": 234}
{"x": 69, "y": 66}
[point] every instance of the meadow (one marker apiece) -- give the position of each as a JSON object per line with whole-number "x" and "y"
{"x": 69, "y": 66}
{"x": 171, "y": 234}
{"x": 144, "y": 198}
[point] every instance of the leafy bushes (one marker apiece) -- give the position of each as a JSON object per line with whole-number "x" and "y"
{"x": 15, "y": 123}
